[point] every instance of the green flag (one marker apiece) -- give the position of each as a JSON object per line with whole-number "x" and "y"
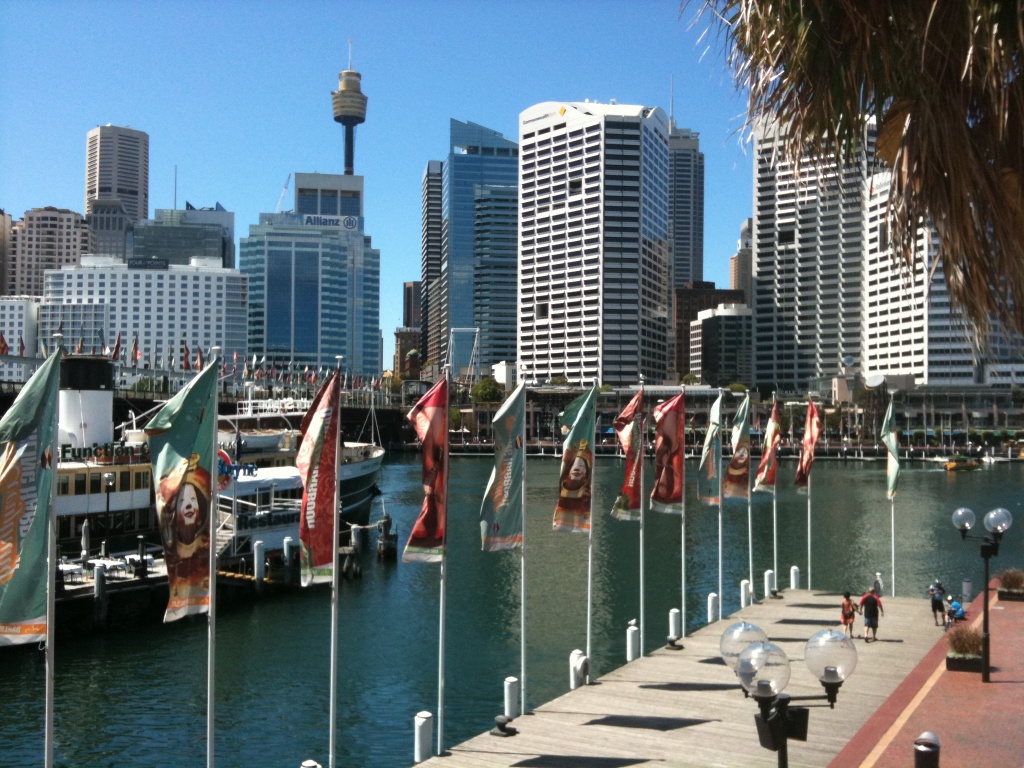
{"x": 181, "y": 442}
{"x": 892, "y": 467}
{"x": 501, "y": 512}
{"x": 572, "y": 512}
{"x": 26, "y": 476}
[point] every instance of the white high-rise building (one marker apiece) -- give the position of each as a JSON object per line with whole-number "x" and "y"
{"x": 198, "y": 305}
{"x": 117, "y": 168}
{"x": 808, "y": 254}
{"x": 18, "y": 316}
{"x": 593, "y": 242}
{"x": 909, "y": 325}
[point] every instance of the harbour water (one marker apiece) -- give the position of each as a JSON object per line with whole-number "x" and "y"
{"x": 138, "y": 697}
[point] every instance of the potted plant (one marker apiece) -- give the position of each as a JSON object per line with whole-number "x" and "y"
{"x": 1011, "y": 585}
{"x": 964, "y": 653}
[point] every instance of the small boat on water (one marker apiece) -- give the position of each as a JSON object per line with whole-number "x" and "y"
{"x": 959, "y": 462}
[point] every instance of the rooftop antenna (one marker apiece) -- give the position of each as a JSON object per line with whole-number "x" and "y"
{"x": 672, "y": 102}
{"x": 350, "y": 53}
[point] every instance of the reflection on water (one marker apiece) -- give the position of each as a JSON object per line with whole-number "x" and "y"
{"x": 139, "y": 697}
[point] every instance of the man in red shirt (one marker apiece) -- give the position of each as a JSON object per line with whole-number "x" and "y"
{"x": 871, "y": 607}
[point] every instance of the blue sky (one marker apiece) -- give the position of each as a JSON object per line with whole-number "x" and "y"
{"x": 236, "y": 94}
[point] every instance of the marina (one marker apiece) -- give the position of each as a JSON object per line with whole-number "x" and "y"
{"x": 137, "y": 695}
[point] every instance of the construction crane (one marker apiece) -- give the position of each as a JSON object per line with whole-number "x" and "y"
{"x": 280, "y": 200}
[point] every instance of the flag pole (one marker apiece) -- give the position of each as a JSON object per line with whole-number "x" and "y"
{"x": 211, "y": 619}
{"x": 775, "y": 513}
{"x": 522, "y": 567}
{"x": 750, "y": 512}
{"x": 590, "y": 555}
{"x": 51, "y": 576}
{"x": 808, "y": 530}
{"x": 444, "y": 567}
{"x": 682, "y": 534}
{"x": 718, "y": 469}
{"x": 643, "y": 458}
{"x": 892, "y": 523}
{"x": 335, "y": 570}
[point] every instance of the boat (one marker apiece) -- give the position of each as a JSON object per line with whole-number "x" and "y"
{"x": 261, "y": 494}
{"x": 959, "y": 462}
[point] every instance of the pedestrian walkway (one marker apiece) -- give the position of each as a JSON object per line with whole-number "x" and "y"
{"x": 978, "y": 724}
{"x": 686, "y": 708}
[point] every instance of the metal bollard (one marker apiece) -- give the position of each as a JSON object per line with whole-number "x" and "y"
{"x": 769, "y": 582}
{"x": 579, "y": 668}
{"x": 794, "y": 578}
{"x": 967, "y": 591}
{"x": 511, "y": 696}
{"x": 926, "y": 750}
{"x": 675, "y": 624}
{"x": 423, "y": 730}
{"x": 632, "y": 643}
{"x": 712, "y": 607}
{"x": 259, "y": 564}
{"x": 744, "y": 593}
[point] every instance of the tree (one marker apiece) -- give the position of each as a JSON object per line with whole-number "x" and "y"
{"x": 487, "y": 390}
{"x": 559, "y": 381}
{"x": 454, "y": 418}
{"x": 690, "y": 379}
{"x": 943, "y": 82}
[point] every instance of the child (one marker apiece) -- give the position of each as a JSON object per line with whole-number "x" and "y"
{"x": 849, "y": 610}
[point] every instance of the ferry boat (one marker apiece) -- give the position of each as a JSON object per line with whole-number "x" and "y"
{"x": 105, "y": 502}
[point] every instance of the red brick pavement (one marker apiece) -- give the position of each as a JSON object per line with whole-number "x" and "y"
{"x": 979, "y": 725}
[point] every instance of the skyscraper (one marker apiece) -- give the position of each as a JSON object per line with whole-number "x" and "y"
{"x": 593, "y": 242}
{"x": 808, "y": 254}
{"x": 45, "y": 238}
{"x": 117, "y": 168}
{"x": 740, "y": 263}
{"x": 431, "y": 229}
{"x": 314, "y": 279}
{"x": 685, "y": 206}
{"x": 472, "y": 288}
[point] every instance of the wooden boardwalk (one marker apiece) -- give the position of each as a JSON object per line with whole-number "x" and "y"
{"x": 686, "y": 708}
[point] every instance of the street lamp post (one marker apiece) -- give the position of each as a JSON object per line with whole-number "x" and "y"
{"x": 108, "y": 486}
{"x": 763, "y": 670}
{"x": 997, "y": 522}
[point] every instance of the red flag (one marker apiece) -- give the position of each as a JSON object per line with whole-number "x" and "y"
{"x": 812, "y": 431}
{"x": 234, "y": 364}
{"x": 669, "y": 443}
{"x": 629, "y": 430}
{"x": 136, "y": 355}
{"x": 116, "y": 354}
{"x": 21, "y": 345}
{"x": 765, "y": 479}
{"x": 199, "y": 358}
{"x": 429, "y": 418}
{"x": 317, "y": 462}
{"x": 186, "y": 363}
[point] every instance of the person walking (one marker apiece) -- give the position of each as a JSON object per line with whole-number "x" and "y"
{"x": 848, "y": 610}
{"x": 871, "y": 608}
{"x": 937, "y": 593}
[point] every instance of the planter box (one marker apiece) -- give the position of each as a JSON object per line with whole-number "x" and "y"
{"x": 963, "y": 664}
{"x": 1011, "y": 595}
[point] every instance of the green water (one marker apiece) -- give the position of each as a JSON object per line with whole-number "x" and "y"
{"x": 138, "y": 698}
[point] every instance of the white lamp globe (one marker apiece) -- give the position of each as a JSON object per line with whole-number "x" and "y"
{"x": 763, "y": 669}
{"x": 830, "y": 656}
{"x": 998, "y": 521}
{"x": 963, "y": 519}
{"x": 737, "y": 637}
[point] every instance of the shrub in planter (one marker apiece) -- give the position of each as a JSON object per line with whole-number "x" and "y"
{"x": 1011, "y": 584}
{"x": 964, "y": 648}
{"x": 964, "y": 640}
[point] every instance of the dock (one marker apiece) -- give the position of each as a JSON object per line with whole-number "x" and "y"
{"x": 686, "y": 708}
